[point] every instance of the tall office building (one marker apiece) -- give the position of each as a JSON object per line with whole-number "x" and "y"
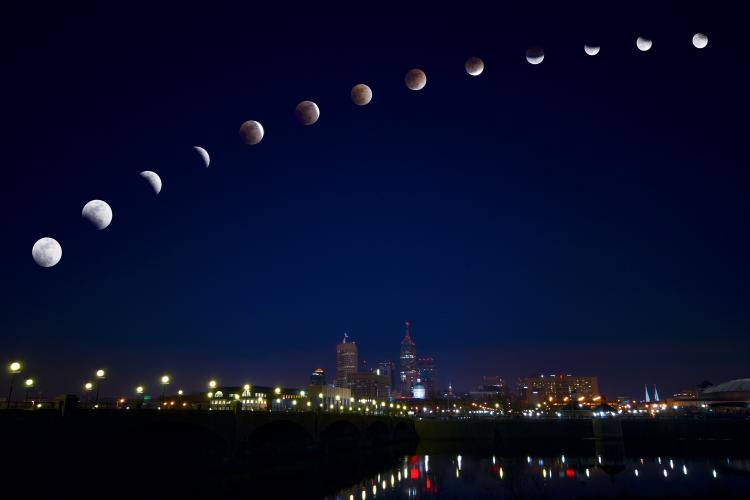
{"x": 318, "y": 377}
{"x": 346, "y": 360}
{"x": 408, "y": 358}
{"x": 388, "y": 369}
{"x": 428, "y": 375}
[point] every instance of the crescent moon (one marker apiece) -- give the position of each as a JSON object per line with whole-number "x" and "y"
{"x": 97, "y": 212}
{"x": 251, "y": 132}
{"x": 46, "y": 252}
{"x": 153, "y": 179}
{"x": 204, "y": 155}
{"x": 643, "y": 44}
{"x": 591, "y": 50}
{"x": 700, "y": 41}
{"x": 535, "y": 55}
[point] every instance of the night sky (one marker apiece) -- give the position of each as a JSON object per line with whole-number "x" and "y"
{"x": 586, "y": 215}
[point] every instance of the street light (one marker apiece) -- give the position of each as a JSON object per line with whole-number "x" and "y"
{"x": 164, "y": 384}
{"x": 28, "y": 383}
{"x": 212, "y": 384}
{"x": 14, "y": 368}
{"x": 87, "y": 387}
{"x": 100, "y": 374}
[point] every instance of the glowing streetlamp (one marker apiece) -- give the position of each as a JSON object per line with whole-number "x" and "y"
{"x": 14, "y": 368}
{"x": 100, "y": 375}
{"x": 28, "y": 384}
{"x": 164, "y": 383}
{"x": 212, "y": 384}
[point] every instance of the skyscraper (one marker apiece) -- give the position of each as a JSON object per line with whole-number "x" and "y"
{"x": 428, "y": 375}
{"x": 388, "y": 369}
{"x": 346, "y": 360}
{"x": 408, "y": 358}
{"x": 318, "y": 377}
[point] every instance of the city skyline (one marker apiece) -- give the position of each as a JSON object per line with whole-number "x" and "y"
{"x": 585, "y": 214}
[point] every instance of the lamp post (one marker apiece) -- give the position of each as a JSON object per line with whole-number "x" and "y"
{"x": 87, "y": 387}
{"x": 139, "y": 391}
{"x": 28, "y": 384}
{"x": 100, "y": 375}
{"x": 164, "y": 383}
{"x": 14, "y": 368}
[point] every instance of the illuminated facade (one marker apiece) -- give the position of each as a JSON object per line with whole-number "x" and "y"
{"x": 346, "y": 360}
{"x": 408, "y": 358}
{"x": 254, "y": 398}
{"x": 560, "y": 386}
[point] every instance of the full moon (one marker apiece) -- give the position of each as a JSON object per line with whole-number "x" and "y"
{"x": 415, "y": 79}
{"x": 474, "y": 66}
{"x": 361, "y": 94}
{"x": 700, "y": 41}
{"x": 535, "y": 55}
{"x": 251, "y": 132}
{"x": 153, "y": 179}
{"x": 307, "y": 112}
{"x": 204, "y": 155}
{"x": 46, "y": 252}
{"x": 591, "y": 50}
{"x": 643, "y": 44}
{"x": 98, "y": 213}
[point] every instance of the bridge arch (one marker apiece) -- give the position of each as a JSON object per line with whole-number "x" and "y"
{"x": 377, "y": 433}
{"x": 341, "y": 434}
{"x": 277, "y": 437}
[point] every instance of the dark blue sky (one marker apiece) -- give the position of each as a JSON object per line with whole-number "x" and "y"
{"x": 587, "y": 215}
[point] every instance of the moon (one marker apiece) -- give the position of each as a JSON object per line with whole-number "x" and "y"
{"x": 415, "y": 79}
{"x": 361, "y": 94}
{"x": 153, "y": 179}
{"x": 251, "y": 132}
{"x": 97, "y": 212}
{"x": 643, "y": 44}
{"x": 46, "y": 252}
{"x": 204, "y": 155}
{"x": 700, "y": 41}
{"x": 591, "y": 50}
{"x": 307, "y": 112}
{"x": 535, "y": 55}
{"x": 474, "y": 66}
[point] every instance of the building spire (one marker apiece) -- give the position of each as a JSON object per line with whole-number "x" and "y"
{"x": 346, "y": 336}
{"x": 648, "y": 398}
{"x": 407, "y": 323}
{"x": 656, "y": 393}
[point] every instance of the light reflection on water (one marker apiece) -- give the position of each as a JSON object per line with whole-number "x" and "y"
{"x": 444, "y": 475}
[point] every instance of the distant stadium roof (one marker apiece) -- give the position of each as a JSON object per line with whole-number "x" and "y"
{"x": 738, "y": 385}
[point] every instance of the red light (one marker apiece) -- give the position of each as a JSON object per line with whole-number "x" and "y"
{"x": 413, "y": 460}
{"x": 427, "y": 483}
{"x": 570, "y": 473}
{"x": 414, "y": 474}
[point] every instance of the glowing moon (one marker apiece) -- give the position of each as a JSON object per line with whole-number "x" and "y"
{"x": 251, "y": 132}
{"x": 97, "y": 212}
{"x": 591, "y": 50}
{"x": 307, "y": 112}
{"x": 46, "y": 252}
{"x": 361, "y": 94}
{"x": 474, "y": 66}
{"x": 204, "y": 155}
{"x": 415, "y": 79}
{"x": 700, "y": 41}
{"x": 643, "y": 44}
{"x": 153, "y": 179}
{"x": 535, "y": 55}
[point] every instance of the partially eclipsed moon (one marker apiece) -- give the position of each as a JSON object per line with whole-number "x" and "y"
{"x": 591, "y": 50}
{"x": 474, "y": 66}
{"x": 535, "y": 55}
{"x": 204, "y": 155}
{"x": 307, "y": 112}
{"x": 700, "y": 41}
{"x": 153, "y": 179}
{"x": 643, "y": 44}
{"x": 97, "y": 212}
{"x": 46, "y": 252}
{"x": 361, "y": 94}
{"x": 415, "y": 79}
{"x": 251, "y": 132}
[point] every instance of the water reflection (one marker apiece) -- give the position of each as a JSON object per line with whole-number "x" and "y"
{"x": 608, "y": 473}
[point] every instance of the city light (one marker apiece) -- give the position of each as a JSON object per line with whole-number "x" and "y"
{"x": 139, "y": 389}
{"x": 180, "y": 393}
{"x": 88, "y": 386}
{"x": 100, "y": 373}
{"x": 15, "y": 367}
{"x": 29, "y": 382}
{"x": 212, "y": 384}
{"x": 277, "y": 390}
